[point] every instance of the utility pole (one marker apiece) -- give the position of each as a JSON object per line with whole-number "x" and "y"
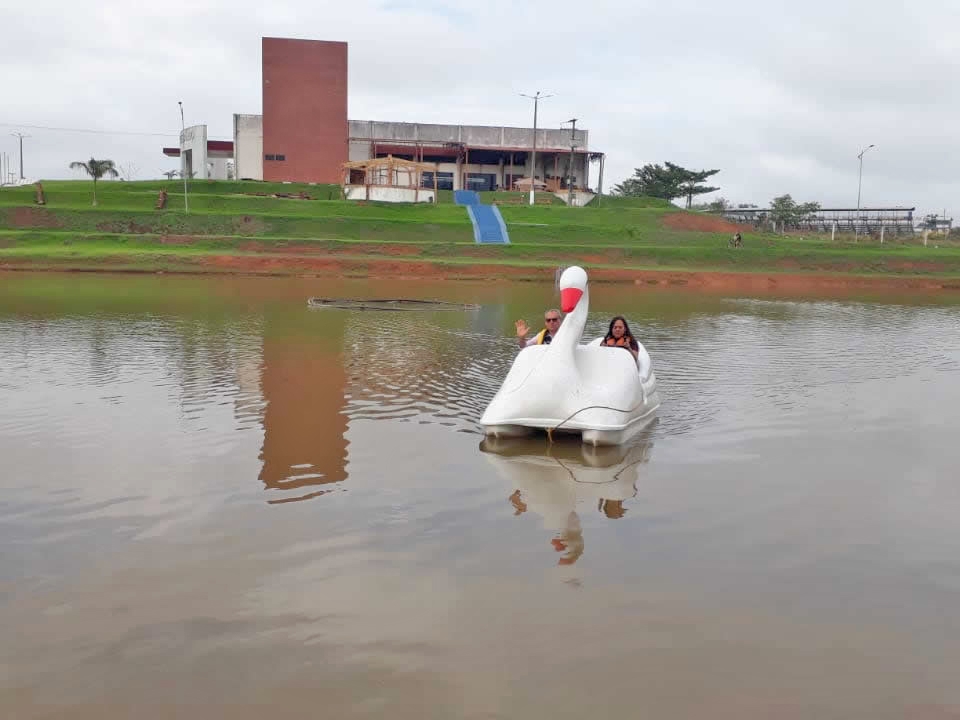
{"x": 21, "y": 136}
{"x": 600, "y": 180}
{"x": 573, "y": 139}
{"x": 859, "y": 183}
{"x": 533, "y": 157}
{"x": 183, "y": 161}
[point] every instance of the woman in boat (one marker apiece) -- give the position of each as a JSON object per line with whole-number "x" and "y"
{"x": 619, "y": 335}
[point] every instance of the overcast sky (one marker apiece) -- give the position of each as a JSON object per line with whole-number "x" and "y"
{"x": 779, "y": 96}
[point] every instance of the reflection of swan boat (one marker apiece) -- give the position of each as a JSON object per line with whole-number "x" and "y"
{"x": 564, "y": 473}
{"x": 553, "y": 482}
{"x": 598, "y": 392}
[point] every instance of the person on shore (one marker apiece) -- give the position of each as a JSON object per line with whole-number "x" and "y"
{"x": 619, "y": 335}
{"x": 551, "y": 320}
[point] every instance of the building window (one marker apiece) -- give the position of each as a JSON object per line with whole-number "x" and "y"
{"x": 281, "y": 157}
{"x": 444, "y": 180}
{"x": 270, "y": 157}
{"x": 480, "y": 181}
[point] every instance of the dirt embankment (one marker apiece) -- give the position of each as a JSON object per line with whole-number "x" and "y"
{"x": 27, "y": 218}
{"x": 333, "y": 266}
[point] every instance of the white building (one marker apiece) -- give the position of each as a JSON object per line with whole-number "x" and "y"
{"x": 203, "y": 159}
{"x": 473, "y": 157}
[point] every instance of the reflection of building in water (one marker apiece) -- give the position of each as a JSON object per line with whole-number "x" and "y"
{"x": 552, "y": 481}
{"x": 337, "y": 367}
{"x": 304, "y": 382}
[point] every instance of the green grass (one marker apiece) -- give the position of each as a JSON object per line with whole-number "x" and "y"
{"x": 611, "y": 201}
{"x": 709, "y": 252}
{"x": 227, "y": 217}
{"x": 215, "y": 187}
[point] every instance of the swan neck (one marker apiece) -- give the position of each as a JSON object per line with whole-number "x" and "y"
{"x": 572, "y": 328}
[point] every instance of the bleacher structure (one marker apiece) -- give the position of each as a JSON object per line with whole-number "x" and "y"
{"x": 861, "y": 221}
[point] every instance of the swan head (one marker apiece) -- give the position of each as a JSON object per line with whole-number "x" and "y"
{"x": 573, "y": 283}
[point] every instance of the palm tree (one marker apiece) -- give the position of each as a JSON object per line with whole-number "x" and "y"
{"x": 96, "y": 169}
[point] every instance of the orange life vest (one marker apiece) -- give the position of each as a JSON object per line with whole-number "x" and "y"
{"x": 626, "y": 341}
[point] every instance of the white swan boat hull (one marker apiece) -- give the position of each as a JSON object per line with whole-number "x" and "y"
{"x": 602, "y": 393}
{"x": 599, "y": 392}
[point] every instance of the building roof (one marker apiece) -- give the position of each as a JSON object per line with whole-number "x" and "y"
{"x": 452, "y": 149}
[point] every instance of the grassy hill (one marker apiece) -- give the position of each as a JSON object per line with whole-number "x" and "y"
{"x": 240, "y": 226}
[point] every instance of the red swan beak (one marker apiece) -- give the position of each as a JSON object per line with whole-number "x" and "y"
{"x": 569, "y": 297}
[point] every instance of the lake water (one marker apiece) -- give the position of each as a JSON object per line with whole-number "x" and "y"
{"x": 218, "y": 502}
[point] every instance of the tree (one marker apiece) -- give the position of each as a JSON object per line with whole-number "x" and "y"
{"x": 690, "y": 181}
{"x": 96, "y": 169}
{"x": 651, "y": 181}
{"x": 666, "y": 181}
{"x": 718, "y": 205}
{"x": 171, "y": 174}
{"x": 786, "y": 211}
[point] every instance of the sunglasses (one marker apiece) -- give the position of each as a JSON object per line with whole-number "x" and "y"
{"x": 552, "y": 319}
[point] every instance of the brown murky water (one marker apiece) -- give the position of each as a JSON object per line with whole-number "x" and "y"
{"x": 217, "y": 502}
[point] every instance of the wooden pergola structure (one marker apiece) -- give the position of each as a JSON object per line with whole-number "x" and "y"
{"x": 389, "y": 172}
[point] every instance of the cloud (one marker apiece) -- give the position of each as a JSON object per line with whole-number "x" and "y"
{"x": 779, "y": 96}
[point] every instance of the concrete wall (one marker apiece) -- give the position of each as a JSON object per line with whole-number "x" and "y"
{"x": 248, "y": 146}
{"x": 481, "y": 136}
{"x": 580, "y": 197}
{"x": 491, "y": 136}
{"x": 438, "y": 133}
{"x": 193, "y": 151}
{"x": 304, "y": 109}
{"x": 361, "y": 150}
{"x": 372, "y": 129}
{"x": 217, "y": 167}
{"x": 561, "y": 138}
{"x": 388, "y": 194}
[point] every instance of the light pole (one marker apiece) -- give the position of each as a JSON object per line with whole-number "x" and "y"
{"x": 859, "y": 184}
{"x": 183, "y": 160}
{"x": 533, "y": 156}
{"x": 573, "y": 133}
{"x": 21, "y": 136}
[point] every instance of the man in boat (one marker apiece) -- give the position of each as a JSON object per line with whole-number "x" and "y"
{"x": 551, "y": 320}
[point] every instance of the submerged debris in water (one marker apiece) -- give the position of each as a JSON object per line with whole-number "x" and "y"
{"x": 397, "y": 304}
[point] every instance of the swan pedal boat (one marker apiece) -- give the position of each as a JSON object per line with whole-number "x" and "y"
{"x": 567, "y": 387}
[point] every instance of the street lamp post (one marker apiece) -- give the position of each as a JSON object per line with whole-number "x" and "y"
{"x": 859, "y": 185}
{"x": 533, "y": 156}
{"x": 21, "y": 136}
{"x": 183, "y": 161}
